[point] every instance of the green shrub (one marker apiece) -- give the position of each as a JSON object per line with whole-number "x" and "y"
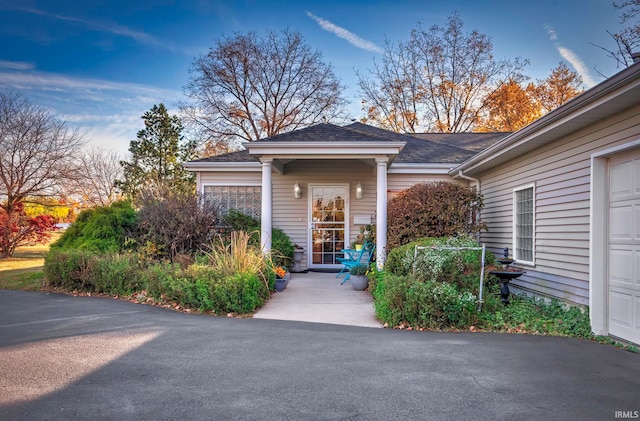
{"x": 437, "y": 209}
{"x": 531, "y": 315}
{"x": 459, "y": 267}
{"x": 100, "y": 229}
{"x": 281, "y": 248}
{"x": 71, "y": 270}
{"x": 156, "y": 277}
{"x": 116, "y": 274}
{"x": 434, "y": 305}
{"x": 389, "y": 292}
{"x": 204, "y": 288}
{"x": 447, "y": 306}
{"x": 400, "y": 259}
{"x": 435, "y": 288}
{"x": 239, "y": 293}
{"x": 88, "y": 271}
{"x": 198, "y": 287}
{"x": 238, "y": 221}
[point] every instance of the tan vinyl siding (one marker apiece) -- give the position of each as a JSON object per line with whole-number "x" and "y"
{"x": 561, "y": 173}
{"x": 238, "y": 178}
{"x": 291, "y": 215}
{"x": 398, "y": 182}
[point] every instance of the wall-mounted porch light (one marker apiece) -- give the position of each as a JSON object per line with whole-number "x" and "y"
{"x": 296, "y": 191}
{"x": 358, "y": 191}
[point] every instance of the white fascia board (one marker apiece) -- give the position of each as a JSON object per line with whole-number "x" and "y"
{"x": 428, "y": 168}
{"x": 324, "y": 149}
{"x": 223, "y": 166}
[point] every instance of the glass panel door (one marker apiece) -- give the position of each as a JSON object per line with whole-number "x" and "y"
{"x": 328, "y": 207}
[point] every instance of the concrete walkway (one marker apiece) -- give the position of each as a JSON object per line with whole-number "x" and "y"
{"x": 318, "y": 297}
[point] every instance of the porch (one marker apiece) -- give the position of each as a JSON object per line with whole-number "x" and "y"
{"x": 318, "y": 297}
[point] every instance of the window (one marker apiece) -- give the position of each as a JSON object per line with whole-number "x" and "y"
{"x": 246, "y": 199}
{"x": 523, "y": 224}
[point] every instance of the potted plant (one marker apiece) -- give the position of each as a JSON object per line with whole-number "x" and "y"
{"x": 358, "y": 277}
{"x": 366, "y": 234}
{"x": 282, "y": 278}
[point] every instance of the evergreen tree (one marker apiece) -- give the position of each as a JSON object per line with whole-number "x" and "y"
{"x": 157, "y": 155}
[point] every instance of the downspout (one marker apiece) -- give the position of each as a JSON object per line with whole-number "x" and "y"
{"x": 484, "y": 247}
{"x": 475, "y": 180}
{"x": 466, "y": 177}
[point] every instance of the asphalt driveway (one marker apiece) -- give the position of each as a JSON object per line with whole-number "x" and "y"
{"x": 67, "y": 357}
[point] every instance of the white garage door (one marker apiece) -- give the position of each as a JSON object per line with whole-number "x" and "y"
{"x": 624, "y": 246}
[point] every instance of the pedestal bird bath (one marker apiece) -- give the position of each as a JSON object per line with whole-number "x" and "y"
{"x": 505, "y": 275}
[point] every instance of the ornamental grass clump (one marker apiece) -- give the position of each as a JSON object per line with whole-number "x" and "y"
{"x": 236, "y": 256}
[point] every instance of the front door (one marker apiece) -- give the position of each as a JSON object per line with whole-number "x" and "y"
{"x": 328, "y": 213}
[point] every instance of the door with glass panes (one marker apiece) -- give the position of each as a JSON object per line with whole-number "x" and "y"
{"x": 328, "y": 214}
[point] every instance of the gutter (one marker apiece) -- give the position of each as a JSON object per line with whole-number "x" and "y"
{"x": 466, "y": 177}
{"x": 622, "y": 79}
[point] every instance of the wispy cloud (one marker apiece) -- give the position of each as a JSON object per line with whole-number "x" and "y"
{"x": 578, "y": 65}
{"x": 573, "y": 59}
{"x": 350, "y": 37}
{"x": 552, "y": 34}
{"x": 109, "y": 112}
{"x": 111, "y": 28}
{"x": 56, "y": 82}
{"x": 110, "y": 131}
{"x": 16, "y": 65}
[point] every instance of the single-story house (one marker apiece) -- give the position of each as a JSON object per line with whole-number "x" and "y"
{"x": 562, "y": 193}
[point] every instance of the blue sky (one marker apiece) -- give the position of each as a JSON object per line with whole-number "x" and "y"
{"x": 100, "y": 65}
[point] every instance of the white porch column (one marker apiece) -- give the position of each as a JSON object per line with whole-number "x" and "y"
{"x": 381, "y": 211}
{"x": 266, "y": 209}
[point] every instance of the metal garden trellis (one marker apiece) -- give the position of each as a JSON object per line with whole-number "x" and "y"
{"x": 484, "y": 251}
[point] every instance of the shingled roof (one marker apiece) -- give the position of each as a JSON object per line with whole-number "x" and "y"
{"x": 475, "y": 142}
{"x": 419, "y": 148}
{"x": 237, "y": 156}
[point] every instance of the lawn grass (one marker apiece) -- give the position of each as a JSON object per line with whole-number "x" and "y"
{"x": 24, "y": 270}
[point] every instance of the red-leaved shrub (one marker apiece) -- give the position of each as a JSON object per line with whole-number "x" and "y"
{"x": 438, "y": 209}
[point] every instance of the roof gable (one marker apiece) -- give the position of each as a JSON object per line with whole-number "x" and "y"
{"x": 324, "y": 132}
{"x": 422, "y": 148}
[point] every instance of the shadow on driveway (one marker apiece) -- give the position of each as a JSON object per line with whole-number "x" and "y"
{"x": 109, "y": 359}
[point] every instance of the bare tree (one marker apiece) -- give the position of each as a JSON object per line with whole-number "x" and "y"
{"x": 628, "y": 39}
{"x": 438, "y": 80}
{"x": 249, "y": 87}
{"x": 391, "y": 98}
{"x": 38, "y": 153}
{"x": 99, "y": 170}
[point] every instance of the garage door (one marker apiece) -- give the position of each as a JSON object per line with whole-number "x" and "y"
{"x": 624, "y": 246}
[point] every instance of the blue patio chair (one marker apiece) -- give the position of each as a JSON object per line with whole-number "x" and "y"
{"x": 355, "y": 258}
